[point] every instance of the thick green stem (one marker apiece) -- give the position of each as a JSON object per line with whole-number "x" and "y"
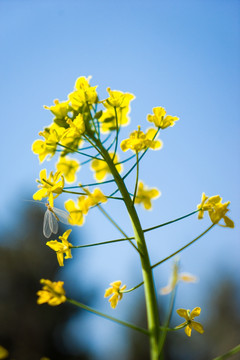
{"x": 150, "y": 293}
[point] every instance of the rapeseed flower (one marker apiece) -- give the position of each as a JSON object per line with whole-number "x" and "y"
{"x": 115, "y": 292}
{"x": 54, "y": 184}
{"x": 189, "y": 317}
{"x": 139, "y": 141}
{"x": 216, "y": 210}
{"x": 51, "y": 293}
{"x": 61, "y": 248}
{"x": 145, "y": 195}
{"x": 68, "y": 167}
{"x": 160, "y": 120}
{"x": 175, "y": 278}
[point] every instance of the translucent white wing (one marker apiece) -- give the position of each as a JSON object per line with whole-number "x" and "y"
{"x": 62, "y": 215}
{"x": 53, "y": 223}
{"x": 46, "y": 224}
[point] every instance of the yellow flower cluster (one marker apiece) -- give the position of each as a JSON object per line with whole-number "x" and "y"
{"x": 51, "y": 293}
{"x": 80, "y": 208}
{"x": 216, "y": 210}
{"x": 115, "y": 292}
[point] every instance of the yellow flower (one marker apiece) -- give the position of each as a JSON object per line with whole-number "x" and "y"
{"x": 117, "y": 103}
{"x": 118, "y": 99}
{"x": 76, "y": 127}
{"x": 101, "y": 169}
{"x": 160, "y": 120}
{"x": 144, "y": 195}
{"x": 83, "y": 93}
{"x": 48, "y": 146}
{"x": 54, "y": 184}
{"x": 51, "y": 293}
{"x": 77, "y": 210}
{"x": 3, "y": 353}
{"x": 95, "y": 197}
{"x": 175, "y": 278}
{"x": 115, "y": 291}
{"x": 189, "y": 317}
{"x": 139, "y": 141}
{"x": 59, "y": 109}
{"x": 68, "y": 167}
{"x": 216, "y": 210}
{"x": 61, "y": 248}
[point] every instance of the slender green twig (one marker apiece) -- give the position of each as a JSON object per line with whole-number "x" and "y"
{"x": 227, "y": 355}
{"x": 79, "y": 152}
{"x": 83, "y": 193}
{"x": 133, "y": 288}
{"x": 166, "y": 324}
{"x": 118, "y": 227}
{"x": 136, "y": 182}
{"x": 184, "y": 247}
{"x": 170, "y": 222}
{"x": 102, "y": 243}
{"x": 88, "y": 308}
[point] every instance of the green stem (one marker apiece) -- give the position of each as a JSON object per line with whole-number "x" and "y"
{"x": 79, "y": 152}
{"x": 81, "y": 193}
{"x": 184, "y": 247}
{"x": 231, "y": 352}
{"x": 150, "y": 293}
{"x": 88, "y": 308}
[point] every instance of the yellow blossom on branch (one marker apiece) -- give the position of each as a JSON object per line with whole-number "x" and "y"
{"x": 189, "y": 317}
{"x": 101, "y": 169}
{"x": 145, "y": 195}
{"x": 51, "y": 293}
{"x": 139, "y": 141}
{"x": 117, "y": 105}
{"x": 160, "y": 119}
{"x": 175, "y": 278}
{"x": 84, "y": 93}
{"x": 59, "y": 109}
{"x": 115, "y": 292}
{"x": 77, "y": 210}
{"x": 68, "y": 167}
{"x": 61, "y": 248}
{"x": 53, "y": 184}
{"x": 216, "y": 210}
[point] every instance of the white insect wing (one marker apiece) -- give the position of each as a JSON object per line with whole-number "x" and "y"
{"x": 62, "y": 215}
{"x": 50, "y": 224}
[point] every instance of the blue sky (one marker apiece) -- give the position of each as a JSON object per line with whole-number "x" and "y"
{"x": 183, "y": 55}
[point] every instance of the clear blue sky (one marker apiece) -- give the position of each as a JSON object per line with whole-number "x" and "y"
{"x": 183, "y": 55}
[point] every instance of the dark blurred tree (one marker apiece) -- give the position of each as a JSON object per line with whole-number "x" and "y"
{"x": 29, "y": 331}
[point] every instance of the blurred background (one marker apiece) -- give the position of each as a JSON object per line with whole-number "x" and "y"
{"x": 180, "y": 55}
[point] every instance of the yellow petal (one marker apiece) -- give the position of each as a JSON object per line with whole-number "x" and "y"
{"x": 197, "y": 326}
{"x": 195, "y": 312}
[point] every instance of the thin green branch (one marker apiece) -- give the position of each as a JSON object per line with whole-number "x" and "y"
{"x": 136, "y": 182}
{"x": 184, "y": 247}
{"x": 105, "y": 316}
{"x": 166, "y": 324}
{"x": 79, "y": 152}
{"x": 227, "y": 355}
{"x": 117, "y": 131}
{"x": 83, "y": 193}
{"x": 170, "y": 222}
{"x": 134, "y": 288}
{"x": 118, "y": 227}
